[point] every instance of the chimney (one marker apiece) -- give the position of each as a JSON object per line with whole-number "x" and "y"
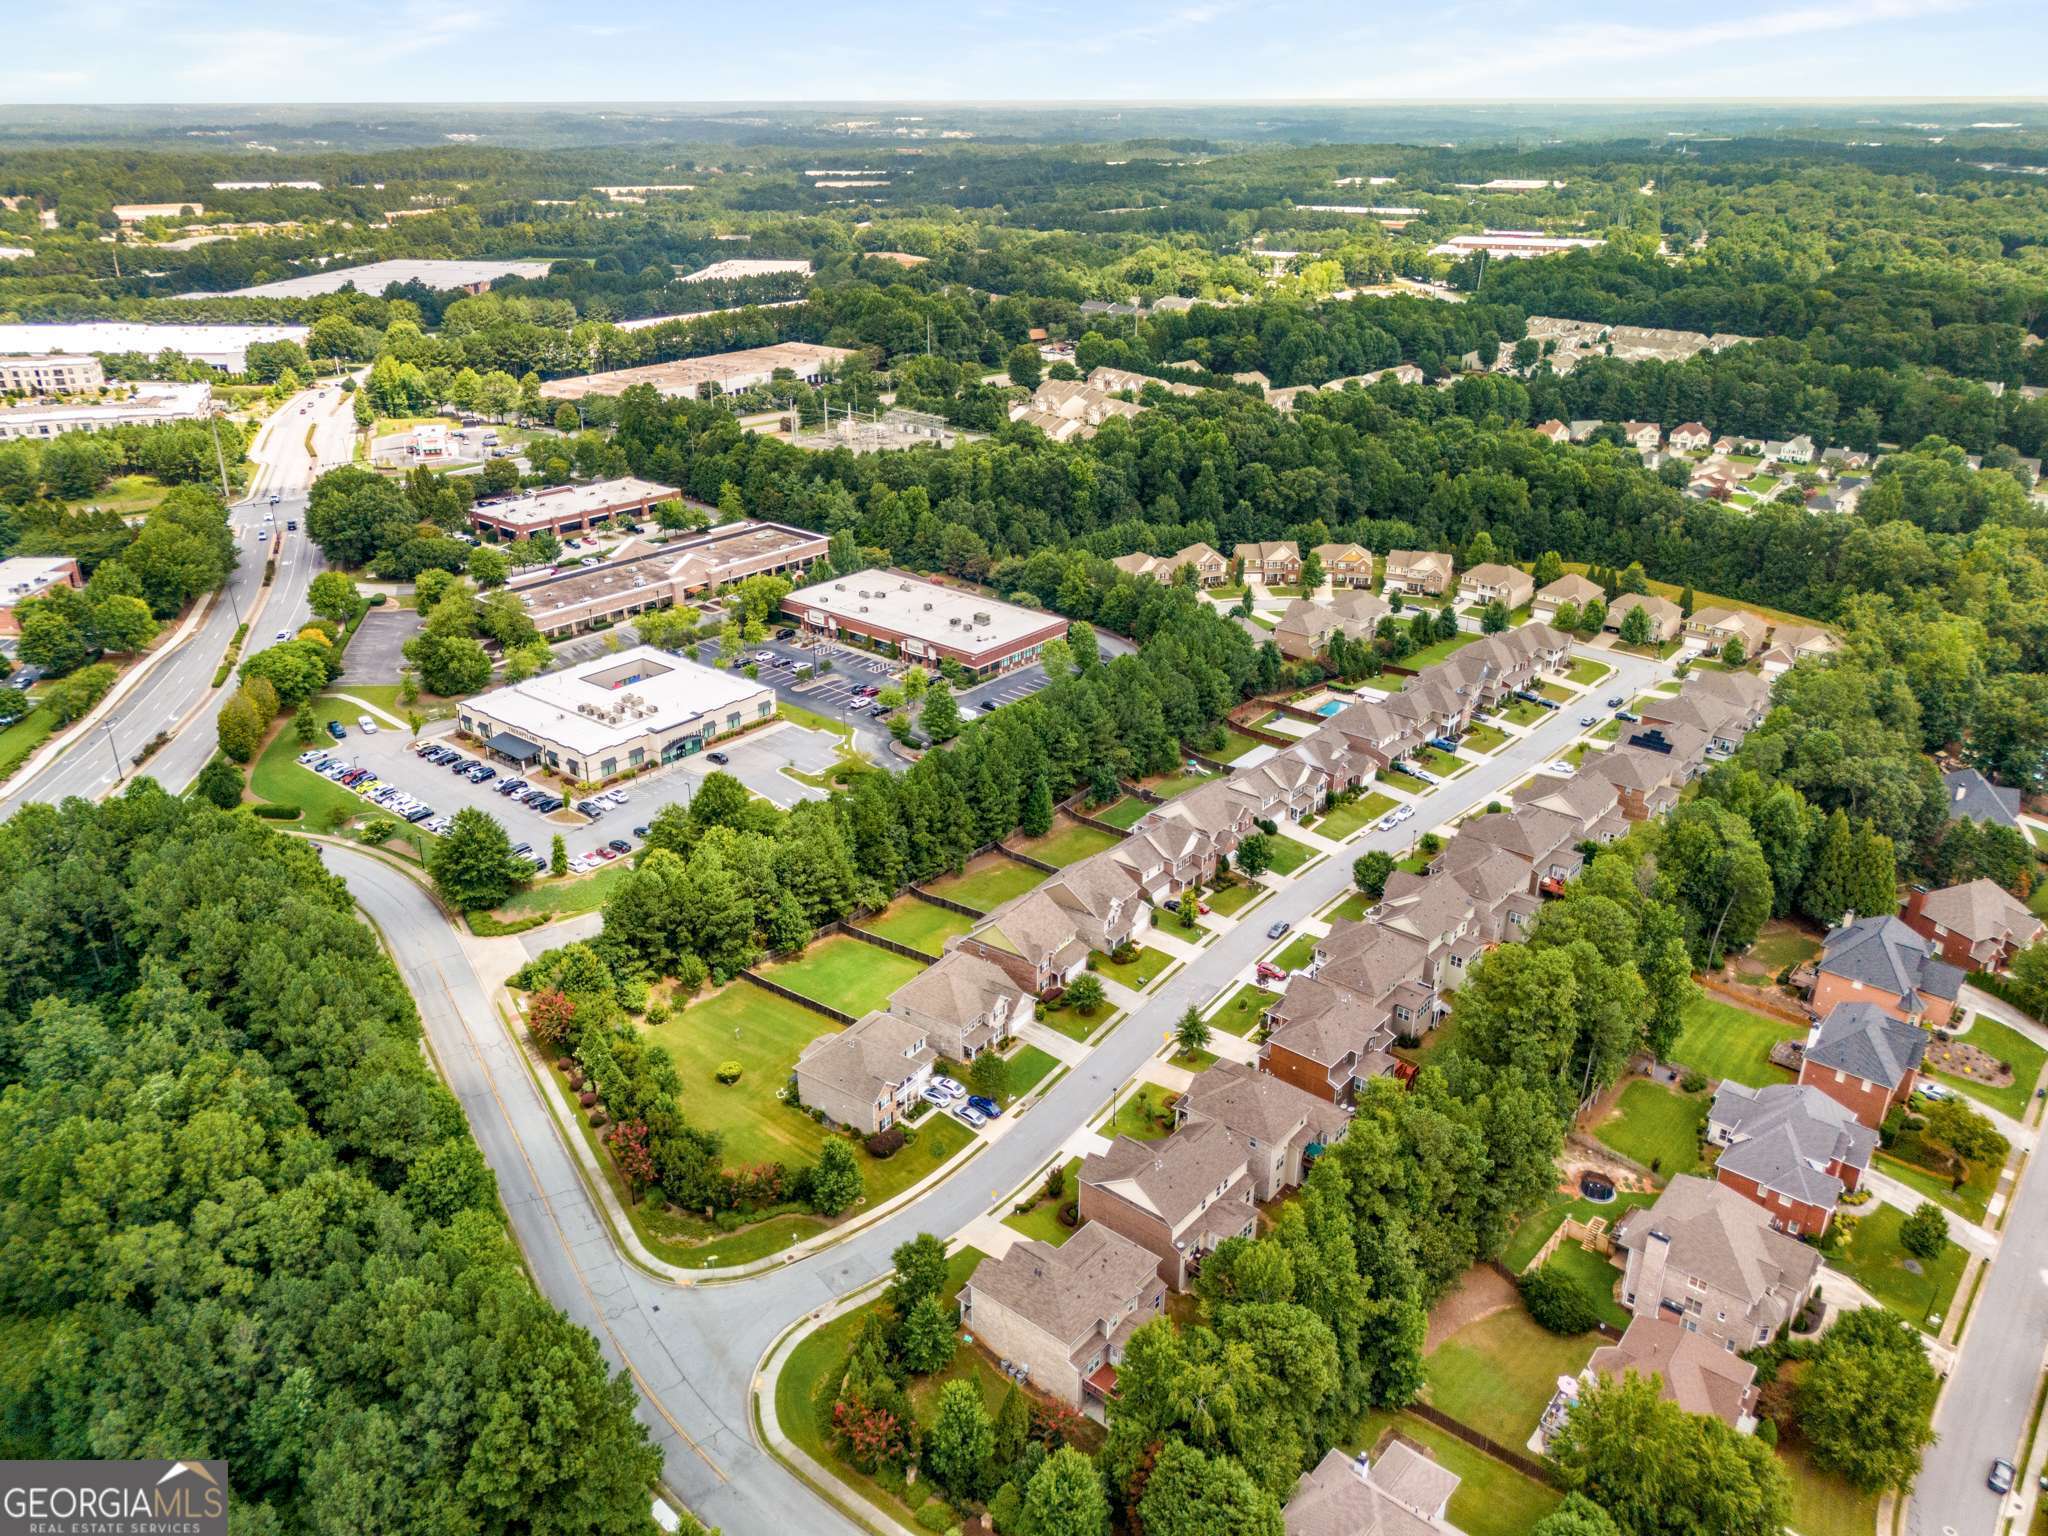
{"x": 1649, "y": 1277}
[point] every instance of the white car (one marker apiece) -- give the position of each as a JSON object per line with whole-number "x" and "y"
{"x": 284, "y": 634}
{"x": 1404, "y": 813}
{"x": 968, "y": 1114}
{"x": 1560, "y": 769}
{"x": 1935, "y": 1090}
{"x": 1387, "y": 823}
{"x": 947, "y": 1088}
{"x": 367, "y": 725}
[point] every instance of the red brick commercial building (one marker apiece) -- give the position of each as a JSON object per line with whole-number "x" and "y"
{"x": 569, "y": 509}
{"x": 922, "y": 621}
{"x": 27, "y": 576}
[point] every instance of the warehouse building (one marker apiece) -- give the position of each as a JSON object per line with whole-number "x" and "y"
{"x": 615, "y": 714}
{"x": 560, "y": 509}
{"x": 640, "y": 582}
{"x": 742, "y": 266}
{"x": 143, "y": 405}
{"x": 376, "y": 276}
{"x": 225, "y": 347}
{"x": 722, "y": 372}
{"x": 923, "y": 621}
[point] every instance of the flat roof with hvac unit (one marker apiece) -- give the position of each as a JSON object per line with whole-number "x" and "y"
{"x": 374, "y": 277}
{"x": 925, "y": 621}
{"x": 732, "y": 372}
{"x": 616, "y": 713}
{"x": 653, "y": 578}
{"x": 569, "y": 508}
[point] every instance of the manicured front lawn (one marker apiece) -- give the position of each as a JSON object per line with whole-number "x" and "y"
{"x": 1555, "y": 693}
{"x": 1593, "y": 1274}
{"x": 1405, "y": 782}
{"x": 1585, "y": 671}
{"x": 1483, "y": 738}
{"x": 1240, "y": 1012}
{"x": 1067, "y": 845}
{"x": 1232, "y": 897}
{"x": 1442, "y": 764}
{"x": 1730, "y": 1043}
{"x": 1352, "y": 909}
{"x": 2008, "y": 1045}
{"x": 574, "y": 894}
{"x": 1125, "y": 814}
{"x": 987, "y": 882}
{"x": 1536, "y": 1227}
{"x": 1874, "y": 1259}
{"x": 1297, "y": 953}
{"x": 1523, "y": 712}
{"x": 1348, "y": 819}
{"x": 1497, "y": 1374}
{"x": 1042, "y": 1221}
{"x": 1433, "y": 653}
{"x": 1143, "y": 1114}
{"x": 1824, "y": 1504}
{"x": 765, "y": 1034}
{"x": 1073, "y": 1023}
{"x": 1137, "y": 973}
{"x": 1492, "y": 1498}
{"x": 1027, "y": 1069}
{"x": 1288, "y": 855}
{"x": 920, "y": 924}
{"x": 1657, "y": 1128}
{"x": 844, "y": 973}
{"x": 1972, "y": 1200}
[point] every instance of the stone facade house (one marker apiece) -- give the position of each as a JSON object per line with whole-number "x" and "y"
{"x": 1710, "y": 1259}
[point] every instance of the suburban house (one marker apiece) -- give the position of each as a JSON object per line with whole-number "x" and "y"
{"x": 1425, "y": 571}
{"x": 1404, "y": 1493}
{"x": 1972, "y": 797}
{"x": 1566, "y": 589}
{"x": 1176, "y": 1198}
{"x": 1643, "y": 436}
{"x": 1691, "y": 1372}
{"x": 1711, "y": 1259}
{"x": 1211, "y": 812}
{"x": 1555, "y": 430}
{"x": 1064, "y": 1314}
{"x": 1347, "y": 565}
{"x": 1211, "y": 569}
{"x": 1794, "y": 450}
{"x": 1864, "y": 1059}
{"x": 1042, "y": 938}
{"x": 867, "y": 1075}
{"x": 1794, "y": 643}
{"x": 1723, "y": 706}
{"x": 1305, "y": 627}
{"x": 1790, "y": 1148}
{"x": 1720, "y": 625}
{"x": 1881, "y": 961}
{"x": 1326, "y": 1038}
{"x": 1276, "y": 562}
{"x": 1581, "y": 429}
{"x": 1492, "y": 582}
{"x": 1650, "y": 767}
{"x": 1664, "y": 615}
{"x": 1545, "y": 840}
{"x": 1281, "y": 1127}
{"x": 1164, "y": 860}
{"x": 1690, "y": 438}
{"x": 1593, "y": 803}
{"x": 1977, "y": 926}
{"x": 963, "y": 1003}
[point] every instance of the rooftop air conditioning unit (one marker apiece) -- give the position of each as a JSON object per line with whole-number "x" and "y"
{"x": 863, "y": 607}
{"x": 927, "y": 607}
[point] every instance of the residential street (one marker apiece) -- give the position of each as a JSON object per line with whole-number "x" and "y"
{"x": 693, "y": 1350}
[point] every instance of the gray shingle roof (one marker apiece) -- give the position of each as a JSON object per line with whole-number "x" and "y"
{"x": 1091, "y": 1278}
{"x": 1866, "y": 1042}
{"x": 1972, "y": 795}
{"x": 1786, "y": 1135}
{"x": 1883, "y": 952}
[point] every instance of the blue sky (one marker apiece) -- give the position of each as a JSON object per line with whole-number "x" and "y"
{"x": 1016, "y": 50}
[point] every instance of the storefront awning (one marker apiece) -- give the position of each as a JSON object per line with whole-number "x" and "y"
{"x": 517, "y": 748}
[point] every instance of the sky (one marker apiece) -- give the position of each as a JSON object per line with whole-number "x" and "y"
{"x": 141, "y": 51}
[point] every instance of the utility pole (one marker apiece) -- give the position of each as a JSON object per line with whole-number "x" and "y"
{"x": 218, "y": 457}
{"x": 108, "y": 727}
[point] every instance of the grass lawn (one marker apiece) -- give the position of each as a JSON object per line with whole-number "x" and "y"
{"x": 1074, "y": 1024}
{"x": 278, "y": 778}
{"x": 1971, "y": 1200}
{"x": 1442, "y": 764}
{"x": 2007, "y": 1045}
{"x": 1780, "y": 945}
{"x": 1194, "y": 1061}
{"x": 1585, "y": 671}
{"x": 577, "y": 893}
{"x": 1297, "y": 953}
{"x": 1492, "y": 1498}
{"x": 1822, "y": 1503}
{"x": 1657, "y": 1128}
{"x": 1042, "y": 1221}
{"x": 1555, "y": 693}
{"x": 1239, "y": 1013}
{"x": 987, "y": 882}
{"x": 1137, "y": 973}
{"x": 1593, "y": 1274}
{"x": 1727, "y": 1042}
{"x": 1760, "y": 485}
{"x": 1433, "y": 1043}
{"x": 1523, "y": 712}
{"x": 1352, "y": 908}
{"x": 1179, "y": 784}
{"x": 1536, "y": 1227}
{"x": 1874, "y": 1259}
{"x": 1435, "y": 652}
{"x": 1497, "y": 1374}
{"x": 1125, "y": 814}
{"x": 765, "y": 1034}
{"x": 1418, "y": 861}
{"x": 1028, "y": 1069}
{"x": 1483, "y": 738}
{"x": 1235, "y": 745}
{"x": 1611, "y": 731}
{"x": 1232, "y": 898}
{"x": 1347, "y": 819}
{"x": 126, "y": 495}
{"x": 1067, "y": 845}
{"x": 25, "y": 735}
{"x": 919, "y": 924}
{"x": 1288, "y": 855}
{"x": 1406, "y": 782}
{"x": 1143, "y": 1114}
{"x": 842, "y": 971}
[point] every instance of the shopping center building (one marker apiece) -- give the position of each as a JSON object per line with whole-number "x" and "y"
{"x": 923, "y": 621}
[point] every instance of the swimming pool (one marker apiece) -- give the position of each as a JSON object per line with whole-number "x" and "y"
{"x": 1334, "y": 707}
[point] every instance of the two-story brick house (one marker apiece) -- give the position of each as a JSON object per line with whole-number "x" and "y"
{"x": 1791, "y": 1149}
{"x": 1976, "y": 926}
{"x": 1881, "y": 961}
{"x": 1863, "y": 1058}
{"x": 1176, "y": 1198}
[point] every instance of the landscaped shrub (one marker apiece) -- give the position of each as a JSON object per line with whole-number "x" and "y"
{"x": 936, "y": 1516}
{"x": 884, "y": 1144}
{"x": 728, "y": 1072}
{"x": 1694, "y": 1081}
{"x": 1557, "y": 1302}
{"x": 1070, "y": 1214}
{"x": 377, "y": 599}
{"x": 276, "y": 812}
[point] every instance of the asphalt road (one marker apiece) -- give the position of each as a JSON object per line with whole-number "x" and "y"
{"x": 177, "y": 695}
{"x": 693, "y": 1351}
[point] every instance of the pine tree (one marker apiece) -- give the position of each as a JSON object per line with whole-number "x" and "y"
{"x": 928, "y": 1338}
{"x": 1036, "y": 817}
{"x": 305, "y": 725}
{"x": 1873, "y": 872}
{"x": 1013, "y": 1430}
{"x": 1826, "y": 897}
{"x": 558, "y": 858}
{"x": 1685, "y": 603}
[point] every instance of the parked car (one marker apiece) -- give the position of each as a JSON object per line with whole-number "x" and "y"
{"x": 1629, "y": 715}
{"x": 1386, "y": 823}
{"x": 1559, "y": 769}
{"x": 1616, "y": 702}
{"x": 2000, "y": 1480}
{"x": 987, "y": 1106}
{"x": 619, "y": 845}
{"x": 1279, "y": 929}
{"x": 931, "y": 1095}
{"x": 336, "y": 729}
{"x": 717, "y": 757}
{"x": 1404, "y": 813}
{"x": 1589, "y": 720}
{"x": 641, "y": 833}
{"x": 1267, "y": 971}
{"x": 948, "y": 1087}
{"x": 1935, "y": 1091}
{"x": 970, "y": 1115}
{"x": 369, "y": 726}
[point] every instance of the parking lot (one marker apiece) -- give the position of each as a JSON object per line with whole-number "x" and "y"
{"x": 377, "y": 653}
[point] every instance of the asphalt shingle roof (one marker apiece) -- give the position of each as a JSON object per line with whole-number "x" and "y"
{"x": 1864, "y": 1041}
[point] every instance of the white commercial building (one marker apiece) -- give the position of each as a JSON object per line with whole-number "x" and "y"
{"x": 1514, "y": 242}
{"x": 266, "y": 186}
{"x": 686, "y": 378}
{"x": 923, "y": 621}
{"x": 615, "y": 714}
{"x": 742, "y": 267}
{"x": 374, "y": 278}
{"x": 225, "y": 347}
{"x": 145, "y": 405}
{"x": 53, "y": 375}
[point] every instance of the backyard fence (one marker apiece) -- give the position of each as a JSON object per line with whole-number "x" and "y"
{"x": 1750, "y": 1001}
{"x": 945, "y": 901}
{"x": 1527, "y": 1465}
{"x": 880, "y": 942}
{"x": 835, "y": 1014}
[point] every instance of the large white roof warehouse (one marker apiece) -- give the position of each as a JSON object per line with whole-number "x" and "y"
{"x": 471, "y": 276}
{"x": 616, "y": 713}
{"x": 221, "y": 346}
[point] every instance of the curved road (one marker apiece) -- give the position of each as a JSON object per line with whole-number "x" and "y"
{"x": 177, "y": 694}
{"x": 692, "y": 1350}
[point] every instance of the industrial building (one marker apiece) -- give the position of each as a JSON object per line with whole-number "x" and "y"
{"x": 225, "y": 347}
{"x": 722, "y": 372}
{"x": 923, "y": 621}
{"x": 642, "y": 580}
{"x": 375, "y": 277}
{"x": 1516, "y": 243}
{"x": 736, "y": 267}
{"x": 144, "y": 404}
{"x": 615, "y": 714}
{"x": 560, "y": 509}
